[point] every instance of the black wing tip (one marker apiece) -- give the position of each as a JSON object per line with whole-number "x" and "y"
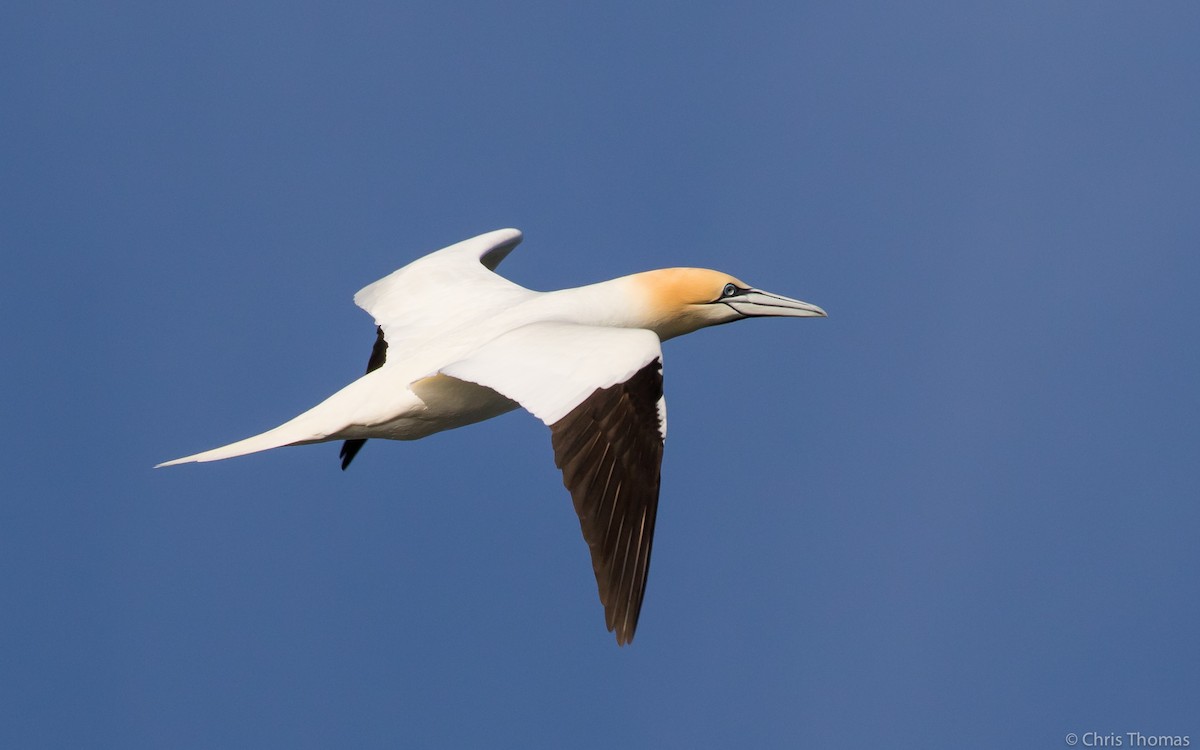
{"x": 350, "y": 449}
{"x": 624, "y": 636}
{"x": 623, "y": 617}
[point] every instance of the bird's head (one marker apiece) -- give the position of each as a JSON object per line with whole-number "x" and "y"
{"x": 682, "y": 300}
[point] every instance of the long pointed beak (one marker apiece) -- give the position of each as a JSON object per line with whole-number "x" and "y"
{"x": 760, "y": 304}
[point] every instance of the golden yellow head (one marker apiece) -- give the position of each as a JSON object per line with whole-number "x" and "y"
{"x": 681, "y": 300}
{"x": 676, "y": 288}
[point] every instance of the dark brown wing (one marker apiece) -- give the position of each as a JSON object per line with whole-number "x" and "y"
{"x": 610, "y": 451}
{"x": 350, "y": 448}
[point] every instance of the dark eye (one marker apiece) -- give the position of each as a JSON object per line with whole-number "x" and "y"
{"x": 729, "y": 290}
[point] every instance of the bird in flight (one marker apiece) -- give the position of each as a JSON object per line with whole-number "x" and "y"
{"x": 457, "y": 344}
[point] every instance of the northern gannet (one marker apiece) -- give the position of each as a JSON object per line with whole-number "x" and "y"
{"x": 457, "y": 344}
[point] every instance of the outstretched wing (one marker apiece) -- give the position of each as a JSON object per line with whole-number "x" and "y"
{"x": 418, "y": 303}
{"x": 600, "y": 391}
{"x": 610, "y": 451}
{"x": 426, "y": 299}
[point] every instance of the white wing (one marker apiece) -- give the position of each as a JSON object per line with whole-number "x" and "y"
{"x": 550, "y": 368}
{"x": 442, "y": 291}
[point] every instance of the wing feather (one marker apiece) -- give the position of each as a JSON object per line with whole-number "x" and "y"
{"x": 609, "y": 448}
{"x": 426, "y": 299}
{"x": 600, "y": 391}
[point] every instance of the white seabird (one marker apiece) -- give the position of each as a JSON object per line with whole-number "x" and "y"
{"x": 458, "y": 344}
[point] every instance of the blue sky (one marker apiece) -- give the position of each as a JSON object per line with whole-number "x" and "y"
{"x": 961, "y": 511}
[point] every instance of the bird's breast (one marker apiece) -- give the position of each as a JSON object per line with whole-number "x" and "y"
{"x": 441, "y": 403}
